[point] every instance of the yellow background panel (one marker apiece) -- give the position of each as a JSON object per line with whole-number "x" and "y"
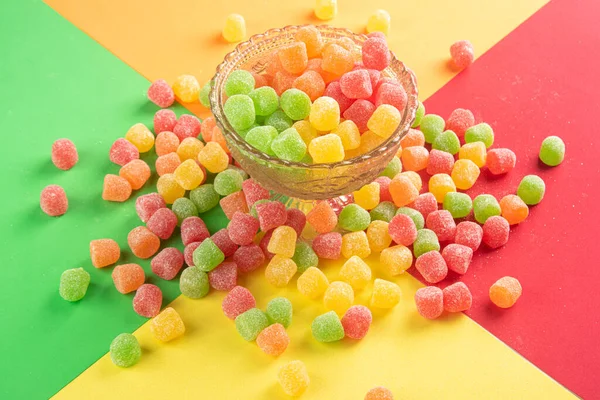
{"x": 450, "y": 358}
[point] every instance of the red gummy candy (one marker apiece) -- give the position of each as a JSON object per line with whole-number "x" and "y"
{"x": 440, "y": 162}
{"x": 356, "y": 84}
{"x": 271, "y": 215}
{"x": 193, "y": 229}
{"x": 459, "y": 121}
{"x": 495, "y": 231}
{"x": 162, "y": 223}
{"x": 328, "y": 245}
{"x": 296, "y": 219}
{"x": 122, "y": 151}
{"x": 384, "y": 188}
{"x": 188, "y": 253}
{"x": 425, "y": 204}
{"x": 148, "y": 204}
{"x": 359, "y": 112}
{"x": 238, "y": 301}
{"x": 457, "y": 297}
{"x": 500, "y": 161}
{"x": 224, "y": 243}
{"x": 253, "y": 192}
{"x": 164, "y": 120}
{"x": 242, "y": 228}
{"x": 432, "y": 266}
{"x": 248, "y": 258}
{"x": 334, "y": 91}
{"x": 469, "y": 234}
{"x": 402, "y": 229}
{"x": 224, "y": 277}
{"x": 187, "y": 126}
{"x": 161, "y": 94}
{"x": 430, "y": 302}
{"x": 357, "y": 321}
{"x": 264, "y": 244}
{"x": 457, "y": 257}
{"x": 442, "y": 223}
{"x": 53, "y": 200}
{"x": 167, "y": 263}
{"x": 64, "y": 154}
{"x": 392, "y": 94}
{"x": 375, "y": 53}
{"x": 147, "y": 300}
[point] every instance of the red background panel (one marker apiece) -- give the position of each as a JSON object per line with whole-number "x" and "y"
{"x": 543, "y": 79}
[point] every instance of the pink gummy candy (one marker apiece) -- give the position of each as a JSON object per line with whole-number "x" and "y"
{"x": 440, "y": 162}
{"x": 242, "y": 228}
{"x": 167, "y": 263}
{"x": 458, "y": 257}
{"x": 402, "y": 229}
{"x": 442, "y": 223}
{"x": 459, "y": 121}
{"x": 146, "y": 205}
{"x": 432, "y": 266}
{"x": 193, "y": 229}
{"x": 147, "y": 300}
{"x": 53, "y": 200}
{"x": 162, "y": 223}
{"x": 164, "y": 120}
{"x": 248, "y": 258}
{"x": 224, "y": 277}
{"x": 122, "y": 151}
{"x": 187, "y": 126}
{"x": 356, "y": 84}
{"x": 469, "y": 234}
{"x": 238, "y": 301}
{"x": 359, "y": 112}
{"x": 375, "y": 53}
{"x": 430, "y": 302}
{"x": 64, "y": 154}
{"x": 161, "y": 94}
{"x": 253, "y": 192}
{"x": 328, "y": 245}
{"x": 357, "y": 321}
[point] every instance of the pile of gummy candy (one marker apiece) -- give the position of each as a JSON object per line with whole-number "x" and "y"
{"x": 316, "y": 103}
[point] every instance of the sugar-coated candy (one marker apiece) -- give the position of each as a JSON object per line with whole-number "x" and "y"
{"x": 279, "y": 311}
{"x": 356, "y": 272}
{"x": 193, "y": 283}
{"x": 264, "y": 244}
{"x": 204, "y": 93}
{"x": 432, "y": 126}
{"x": 336, "y": 60}
{"x": 393, "y": 168}
{"x": 305, "y": 130}
{"x": 243, "y": 228}
{"x": 164, "y": 120}
{"x": 385, "y": 294}
{"x": 273, "y": 340}
{"x": 188, "y": 253}
{"x": 334, "y": 91}
{"x": 349, "y": 134}
{"x": 462, "y": 53}
{"x": 137, "y": 173}
{"x": 552, "y": 151}
{"x": 283, "y": 241}
{"x": 239, "y": 110}
{"x": 168, "y": 187}
{"x": 457, "y": 297}
{"x": 430, "y": 302}
{"x": 375, "y": 53}
{"x": 396, "y": 259}
{"x": 379, "y": 393}
{"x": 312, "y": 283}
{"x": 403, "y": 191}
{"x": 147, "y": 300}
{"x": 328, "y": 245}
{"x": 141, "y": 137}
{"x": 354, "y": 218}
{"x": 484, "y": 207}
{"x": 475, "y": 152}
{"x": 293, "y": 58}
{"x": 384, "y": 211}
{"x": 223, "y": 241}
{"x": 265, "y": 100}
{"x": 311, "y": 37}
{"x": 447, "y": 141}
{"x": 233, "y": 203}
{"x": 213, "y": 157}
{"x": 204, "y": 197}
{"x": 500, "y": 161}
{"x": 206, "y": 128}
{"x": 166, "y": 142}
{"x": 293, "y": 377}
{"x": 193, "y": 229}
{"x": 142, "y": 242}
{"x": 440, "y": 162}
{"x": 426, "y": 203}
{"x": 384, "y": 121}
{"x": 495, "y": 231}
{"x": 261, "y": 138}
{"x": 253, "y": 192}
{"x": 356, "y": 84}
{"x": 426, "y": 241}
{"x": 514, "y": 209}
{"x": 223, "y": 277}
{"x": 104, "y": 252}
{"x": 115, "y": 188}
{"x": 458, "y": 204}
{"x": 74, "y": 284}
{"x": 505, "y": 292}
{"x": 186, "y": 88}
{"x": 415, "y": 215}
{"x": 327, "y": 327}
{"x": 459, "y": 121}
{"x": 531, "y": 189}
{"x": 325, "y": 10}
{"x": 322, "y": 217}
{"x": 368, "y": 196}
{"x": 296, "y": 219}
{"x": 288, "y": 145}
{"x": 384, "y": 188}
{"x": 440, "y": 185}
{"x": 432, "y": 266}
{"x": 415, "y": 158}
{"x": 325, "y": 114}
{"x": 218, "y": 137}
{"x": 311, "y": 83}
{"x": 442, "y": 223}
{"x": 167, "y": 263}
{"x": 239, "y": 82}
{"x": 167, "y": 164}
{"x": 378, "y": 236}
{"x": 123, "y": 151}
{"x": 162, "y": 223}
{"x": 128, "y": 277}
{"x": 237, "y": 301}
{"x": 480, "y": 133}
{"x": 420, "y": 113}
{"x": 227, "y": 182}
{"x": 167, "y": 325}
{"x": 360, "y": 112}
{"x": 379, "y": 21}
{"x": 234, "y": 29}
{"x": 207, "y": 256}
{"x": 281, "y": 82}
{"x": 296, "y": 104}
{"x": 189, "y": 148}
{"x": 457, "y": 257}
{"x": 413, "y": 137}
{"x": 280, "y": 271}
{"x": 469, "y": 234}
{"x": 161, "y": 94}
{"x": 64, "y": 154}
{"x": 338, "y": 297}
{"x": 248, "y": 258}
{"x": 184, "y": 208}
{"x": 304, "y": 256}
{"x": 271, "y": 215}
{"x": 402, "y": 229}
{"x": 188, "y": 126}
{"x": 356, "y": 322}
{"x": 250, "y": 323}
{"x": 53, "y": 200}
{"x": 125, "y": 350}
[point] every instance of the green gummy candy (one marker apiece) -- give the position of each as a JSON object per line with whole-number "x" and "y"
{"x": 485, "y": 206}
{"x": 125, "y": 350}
{"x": 208, "y": 256}
{"x": 193, "y": 283}
{"x": 426, "y": 241}
{"x": 419, "y": 115}
{"x": 415, "y": 215}
{"x": 204, "y": 93}
{"x": 261, "y": 138}
{"x": 447, "y": 141}
{"x": 552, "y": 151}
{"x": 480, "y": 133}
{"x": 239, "y": 82}
{"x": 74, "y": 284}
{"x": 304, "y": 256}
{"x": 244, "y": 132}
{"x": 205, "y": 198}
{"x": 459, "y": 204}
{"x": 383, "y": 211}
{"x": 183, "y": 208}
{"x": 250, "y": 323}
{"x": 531, "y": 189}
{"x": 265, "y": 99}
{"x": 240, "y": 171}
{"x": 279, "y": 311}
{"x": 393, "y": 168}
{"x": 327, "y": 328}
{"x": 239, "y": 110}
{"x": 295, "y": 104}
{"x": 227, "y": 182}
{"x": 279, "y": 120}
{"x": 253, "y": 211}
{"x": 354, "y": 218}
{"x": 289, "y": 145}
{"x": 431, "y": 126}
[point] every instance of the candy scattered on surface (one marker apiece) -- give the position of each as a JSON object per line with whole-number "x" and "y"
{"x": 74, "y": 284}
{"x": 125, "y": 350}
{"x": 293, "y": 377}
{"x": 379, "y": 393}
{"x": 273, "y": 340}
{"x": 104, "y": 252}
{"x": 462, "y": 53}
{"x": 53, "y": 200}
{"x": 147, "y": 300}
{"x": 167, "y": 325}
{"x": 505, "y": 292}
{"x": 279, "y": 311}
{"x": 552, "y": 151}
{"x": 161, "y": 93}
{"x": 357, "y": 321}
{"x": 430, "y": 302}
{"x": 327, "y": 328}
{"x": 64, "y": 154}
{"x": 250, "y": 323}
{"x": 128, "y": 277}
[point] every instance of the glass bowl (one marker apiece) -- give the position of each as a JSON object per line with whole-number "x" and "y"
{"x": 296, "y": 180}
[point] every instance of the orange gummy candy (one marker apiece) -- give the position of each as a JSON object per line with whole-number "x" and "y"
{"x": 137, "y": 173}
{"x": 116, "y": 188}
{"x": 142, "y": 242}
{"x": 311, "y": 83}
{"x": 403, "y": 190}
{"x": 104, "y": 252}
{"x": 128, "y": 277}
{"x": 273, "y": 340}
{"x": 514, "y": 209}
{"x": 415, "y": 158}
{"x": 293, "y": 57}
{"x": 311, "y": 37}
{"x": 167, "y": 164}
{"x": 505, "y": 292}
{"x": 337, "y": 60}
{"x": 322, "y": 217}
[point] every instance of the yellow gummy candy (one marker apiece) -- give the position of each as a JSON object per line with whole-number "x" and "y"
{"x": 141, "y": 137}
{"x": 356, "y": 272}
{"x": 396, "y": 259}
{"x": 213, "y": 157}
{"x": 186, "y": 88}
{"x": 349, "y": 133}
{"x": 235, "y": 28}
{"x": 384, "y": 121}
{"x": 326, "y": 149}
{"x": 305, "y": 130}
{"x": 368, "y": 196}
{"x": 439, "y": 185}
{"x": 378, "y": 236}
{"x": 324, "y": 114}
{"x": 283, "y": 241}
{"x": 293, "y": 378}
{"x": 338, "y": 297}
{"x": 386, "y": 294}
{"x": 169, "y": 189}
{"x": 475, "y": 152}
{"x": 355, "y": 244}
{"x": 189, "y": 148}
{"x": 325, "y": 9}
{"x": 167, "y": 325}
{"x": 464, "y": 174}
{"x": 379, "y": 21}
{"x": 312, "y": 283}
{"x": 189, "y": 175}
{"x": 280, "y": 271}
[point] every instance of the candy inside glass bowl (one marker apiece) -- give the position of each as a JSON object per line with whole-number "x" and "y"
{"x": 296, "y": 182}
